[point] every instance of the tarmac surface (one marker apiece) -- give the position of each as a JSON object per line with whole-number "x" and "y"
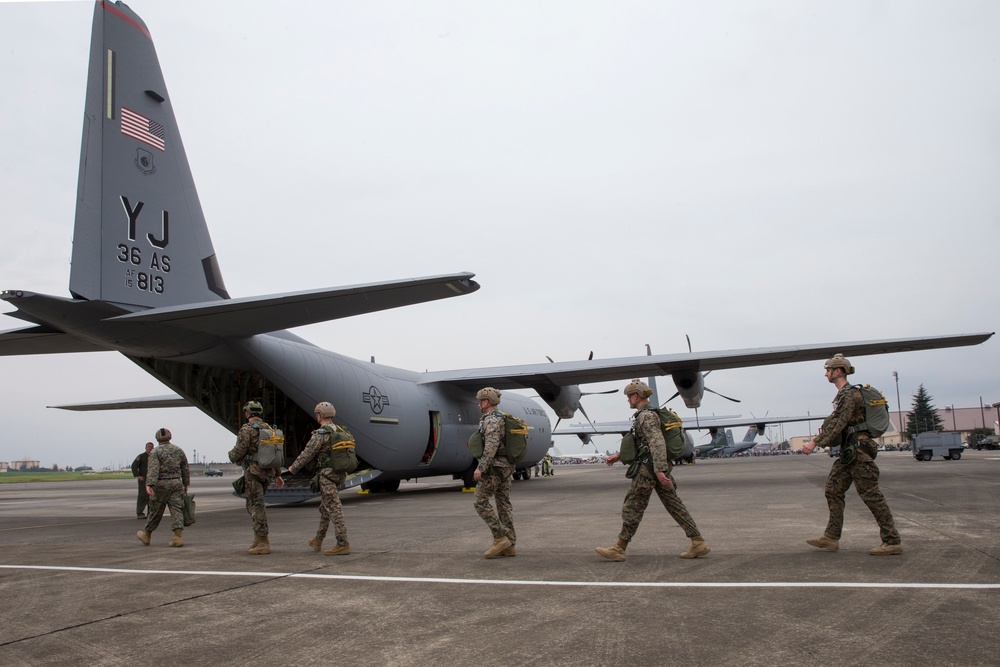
{"x": 76, "y": 586}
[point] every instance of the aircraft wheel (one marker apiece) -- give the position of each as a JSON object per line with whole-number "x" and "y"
{"x": 390, "y": 487}
{"x": 468, "y": 480}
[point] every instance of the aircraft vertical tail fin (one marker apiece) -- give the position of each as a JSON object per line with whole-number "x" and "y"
{"x": 140, "y": 237}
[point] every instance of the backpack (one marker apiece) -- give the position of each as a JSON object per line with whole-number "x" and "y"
{"x": 270, "y": 454}
{"x": 876, "y": 412}
{"x": 673, "y": 434}
{"x": 515, "y": 439}
{"x": 340, "y": 455}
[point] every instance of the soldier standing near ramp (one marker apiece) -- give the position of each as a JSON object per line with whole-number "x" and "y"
{"x": 318, "y": 448}
{"x": 494, "y": 475}
{"x": 856, "y": 464}
{"x": 167, "y": 481}
{"x": 257, "y": 479}
{"x": 651, "y": 474}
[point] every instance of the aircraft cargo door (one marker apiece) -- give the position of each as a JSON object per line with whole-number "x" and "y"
{"x": 433, "y": 438}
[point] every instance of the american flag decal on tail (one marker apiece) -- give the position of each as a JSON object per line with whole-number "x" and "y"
{"x": 145, "y": 130}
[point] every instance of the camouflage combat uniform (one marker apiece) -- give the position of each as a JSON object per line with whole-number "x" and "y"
{"x": 329, "y": 482}
{"x": 848, "y": 409}
{"x": 257, "y": 480}
{"x": 168, "y": 476}
{"x": 647, "y": 429}
{"x": 140, "y": 466}
{"x": 496, "y": 475}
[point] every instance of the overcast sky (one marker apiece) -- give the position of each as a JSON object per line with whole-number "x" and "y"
{"x": 618, "y": 173}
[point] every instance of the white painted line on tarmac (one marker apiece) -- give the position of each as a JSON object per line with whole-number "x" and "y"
{"x": 518, "y": 582}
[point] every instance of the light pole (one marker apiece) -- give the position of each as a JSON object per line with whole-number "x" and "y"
{"x": 899, "y": 408}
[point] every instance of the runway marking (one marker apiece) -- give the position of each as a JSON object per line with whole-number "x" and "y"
{"x": 519, "y": 582}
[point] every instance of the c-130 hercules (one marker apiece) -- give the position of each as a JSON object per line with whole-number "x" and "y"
{"x": 145, "y": 282}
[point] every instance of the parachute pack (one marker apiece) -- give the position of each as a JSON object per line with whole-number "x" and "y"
{"x": 270, "y": 454}
{"x": 673, "y": 434}
{"x": 877, "y": 419}
{"x": 515, "y": 439}
{"x": 340, "y": 455}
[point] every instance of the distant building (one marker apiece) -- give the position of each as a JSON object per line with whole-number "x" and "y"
{"x": 25, "y": 464}
{"x": 3, "y": 466}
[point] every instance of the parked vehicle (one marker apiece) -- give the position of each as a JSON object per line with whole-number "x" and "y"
{"x": 947, "y": 445}
{"x": 213, "y": 472}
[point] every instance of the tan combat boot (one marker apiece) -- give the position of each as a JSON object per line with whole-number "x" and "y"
{"x": 824, "y": 542}
{"x": 262, "y": 548}
{"x": 615, "y": 553}
{"x": 339, "y": 550}
{"x": 500, "y": 544}
{"x": 143, "y": 537}
{"x": 316, "y": 543}
{"x": 698, "y": 548}
{"x": 887, "y": 550}
{"x": 178, "y": 541}
{"x": 510, "y": 551}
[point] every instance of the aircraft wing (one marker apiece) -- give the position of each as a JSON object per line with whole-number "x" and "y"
{"x": 165, "y": 401}
{"x": 622, "y": 427}
{"x": 255, "y": 315}
{"x": 559, "y": 374}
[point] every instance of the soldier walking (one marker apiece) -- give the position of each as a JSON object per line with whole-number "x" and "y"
{"x": 651, "y": 474}
{"x": 855, "y": 465}
{"x": 167, "y": 481}
{"x": 256, "y": 479}
{"x": 139, "y": 468}
{"x": 318, "y": 449}
{"x": 494, "y": 475}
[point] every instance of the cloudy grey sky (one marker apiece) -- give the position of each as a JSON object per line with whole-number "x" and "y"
{"x": 772, "y": 173}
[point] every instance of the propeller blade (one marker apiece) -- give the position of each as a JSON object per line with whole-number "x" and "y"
{"x": 598, "y": 393}
{"x": 584, "y": 412}
{"x": 734, "y": 400}
{"x": 676, "y": 394}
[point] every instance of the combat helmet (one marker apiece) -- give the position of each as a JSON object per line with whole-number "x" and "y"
{"x": 638, "y": 387}
{"x": 838, "y": 361}
{"x": 253, "y": 408}
{"x": 163, "y": 435}
{"x": 326, "y": 409}
{"x": 490, "y": 394}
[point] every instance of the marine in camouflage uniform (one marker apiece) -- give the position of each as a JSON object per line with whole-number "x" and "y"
{"x": 494, "y": 474}
{"x": 167, "y": 480}
{"x": 329, "y": 482}
{"x": 652, "y": 475}
{"x": 855, "y": 465}
{"x": 257, "y": 480}
{"x": 140, "y": 466}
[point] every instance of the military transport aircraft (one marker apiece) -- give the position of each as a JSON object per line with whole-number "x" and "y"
{"x": 145, "y": 282}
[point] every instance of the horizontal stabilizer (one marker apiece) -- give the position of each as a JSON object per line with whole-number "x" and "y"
{"x": 560, "y": 374}
{"x": 165, "y": 401}
{"x": 42, "y": 340}
{"x": 256, "y": 315}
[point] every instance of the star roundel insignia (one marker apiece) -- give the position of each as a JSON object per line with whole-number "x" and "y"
{"x": 376, "y": 399}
